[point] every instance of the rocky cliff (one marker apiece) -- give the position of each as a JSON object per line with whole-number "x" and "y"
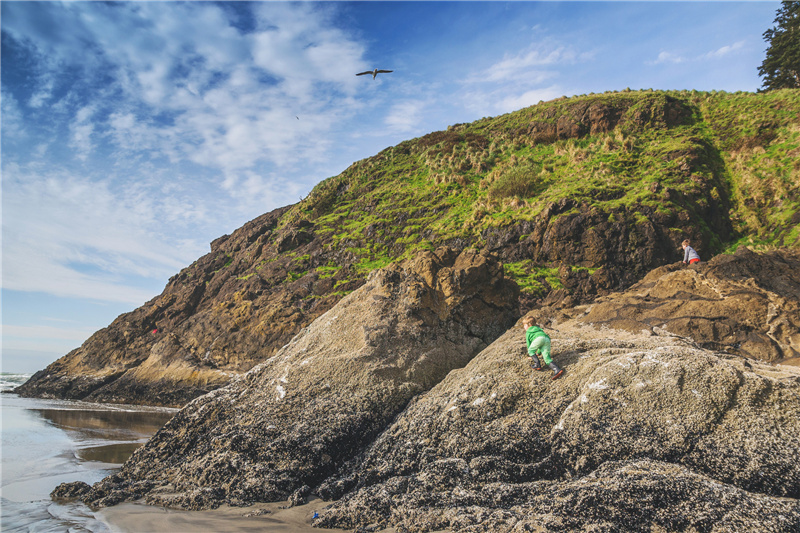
{"x": 744, "y": 303}
{"x": 382, "y": 408}
{"x": 642, "y": 434}
{"x": 291, "y": 421}
{"x": 578, "y": 197}
{"x": 647, "y": 432}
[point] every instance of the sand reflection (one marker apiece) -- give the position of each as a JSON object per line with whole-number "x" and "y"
{"x": 105, "y": 424}
{"x": 105, "y": 435}
{"x": 109, "y": 453}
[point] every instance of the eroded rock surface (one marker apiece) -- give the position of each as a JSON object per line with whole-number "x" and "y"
{"x": 746, "y": 303}
{"x": 644, "y": 433}
{"x": 294, "y": 419}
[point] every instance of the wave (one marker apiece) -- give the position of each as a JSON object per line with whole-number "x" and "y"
{"x": 10, "y": 381}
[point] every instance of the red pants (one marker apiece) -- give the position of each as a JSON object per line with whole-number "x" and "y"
{"x": 693, "y": 261}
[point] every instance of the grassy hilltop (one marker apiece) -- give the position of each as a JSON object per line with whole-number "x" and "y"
{"x": 724, "y": 168}
{"x": 578, "y": 197}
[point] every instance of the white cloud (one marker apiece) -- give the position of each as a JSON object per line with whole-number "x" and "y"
{"x": 13, "y": 121}
{"x": 405, "y": 116}
{"x": 131, "y": 134}
{"x": 43, "y": 93}
{"x": 183, "y": 87}
{"x": 669, "y": 57}
{"x": 43, "y": 332}
{"x": 520, "y": 79}
{"x": 526, "y": 65}
{"x": 528, "y": 98}
{"x": 725, "y": 50}
{"x": 229, "y": 95}
{"x": 81, "y": 131}
{"x": 75, "y": 237}
{"x": 31, "y": 348}
{"x": 252, "y": 190}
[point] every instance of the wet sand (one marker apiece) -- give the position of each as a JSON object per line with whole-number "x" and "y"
{"x": 138, "y": 518}
{"x": 48, "y": 442}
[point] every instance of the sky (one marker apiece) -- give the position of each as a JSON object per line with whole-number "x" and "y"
{"x": 133, "y": 134}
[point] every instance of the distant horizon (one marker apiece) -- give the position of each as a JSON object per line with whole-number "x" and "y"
{"x": 122, "y": 159}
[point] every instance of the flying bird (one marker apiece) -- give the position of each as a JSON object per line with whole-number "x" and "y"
{"x": 373, "y": 72}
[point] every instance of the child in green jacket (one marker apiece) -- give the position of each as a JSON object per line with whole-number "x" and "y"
{"x": 539, "y": 343}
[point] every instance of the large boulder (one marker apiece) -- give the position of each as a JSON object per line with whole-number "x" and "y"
{"x": 293, "y": 420}
{"x": 643, "y": 433}
{"x": 745, "y": 303}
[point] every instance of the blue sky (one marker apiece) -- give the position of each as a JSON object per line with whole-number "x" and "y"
{"x": 135, "y": 133}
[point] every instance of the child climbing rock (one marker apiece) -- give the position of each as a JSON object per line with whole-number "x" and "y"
{"x": 538, "y": 342}
{"x": 689, "y": 255}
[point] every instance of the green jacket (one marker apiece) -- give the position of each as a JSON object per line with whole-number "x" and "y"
{"x": 532, "y": 333}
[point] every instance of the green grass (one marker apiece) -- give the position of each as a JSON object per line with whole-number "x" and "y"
{"x": 327, "y": 271}
{"x": 365, "y": 265}
{"x": 671, "y": 153}
{"x": 533, "y": 279}
{"x": 294, "y": 276}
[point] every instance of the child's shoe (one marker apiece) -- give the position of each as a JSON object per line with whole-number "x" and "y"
{"x": 558, "y": 374}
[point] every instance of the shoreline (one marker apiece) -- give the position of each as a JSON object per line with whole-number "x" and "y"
{"x": 275, "y": 517}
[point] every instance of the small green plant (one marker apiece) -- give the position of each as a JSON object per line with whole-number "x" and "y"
{"x": 530, "y": 277}
{"x": 228, "y": 263}
{"x": 521, "y": 181}
{"x": 294, "y": 276}
{"x": 365, "y": 265}
{"x": 327, "y": 271}
{"x": 341, "y": 282}
{"x": 339, "y": 293}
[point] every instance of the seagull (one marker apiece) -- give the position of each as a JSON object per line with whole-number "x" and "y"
{"x": 373, "y": 72}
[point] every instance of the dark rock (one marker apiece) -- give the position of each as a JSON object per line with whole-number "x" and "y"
{"x": 643, "y": 433}
{"x": 293, "y": 239}
{"x": 294, "y": 419}
{"x": 300, "y": 496}
{"x": 70, "y": 491}
{"x": 640, "y": 495}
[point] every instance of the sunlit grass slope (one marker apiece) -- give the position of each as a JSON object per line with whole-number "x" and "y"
{"x": 726, "y": 164}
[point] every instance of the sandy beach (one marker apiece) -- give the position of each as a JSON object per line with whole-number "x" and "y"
{"x": 48, "y": 442}
{"x": 270, "y": 517}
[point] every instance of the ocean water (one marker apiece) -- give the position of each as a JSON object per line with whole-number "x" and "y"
{"x": 47, "y": 442}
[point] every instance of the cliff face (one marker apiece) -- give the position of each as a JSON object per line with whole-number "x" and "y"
{"x": 292, "y": 420}
{"x": 578, "y": 197}
{"x": 205, "y": 328}
{"x": 382, "y": 408}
